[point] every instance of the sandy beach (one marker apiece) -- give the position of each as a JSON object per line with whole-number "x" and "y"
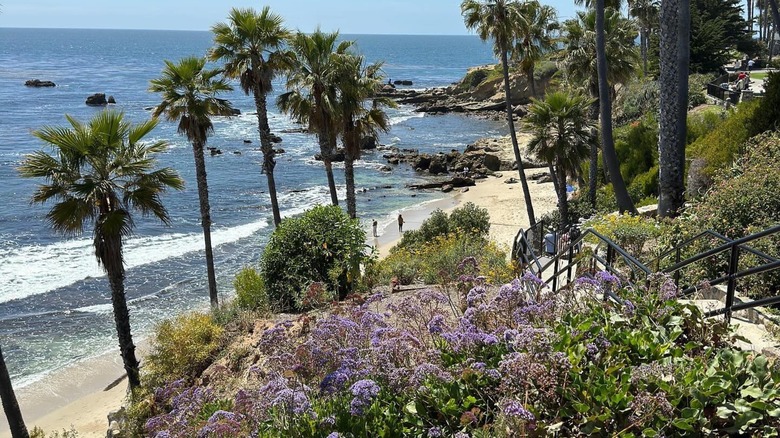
{"x": 504, "y": 202}
{"x": 76, "y": 396}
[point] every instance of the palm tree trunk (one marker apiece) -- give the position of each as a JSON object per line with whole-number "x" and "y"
{"x": 775, "y": 16}
{"x": 10, "y": 405}
{"x": 531, "y": 81}
{"x": 510, "y": 121}
{"x": 122, "y": 321}
{"x": 593, "y": 169}
{"x": 607, "y": 144}
{"x": 349, "y": 176}
{"x": 326, "y": 151}
{"x": 205, "y": 219}
{"x": 563, "y": 201}
{"x": 553, "y": 176}
{"x": 268, "y": 152}
{"x": 643, "y": 45}
{"x": 675, "y": 25}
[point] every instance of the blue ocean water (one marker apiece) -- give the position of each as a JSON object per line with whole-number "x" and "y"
{"x": 54, "y": 300}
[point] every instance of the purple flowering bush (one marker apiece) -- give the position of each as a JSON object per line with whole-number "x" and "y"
{"x": 518, "y": 361}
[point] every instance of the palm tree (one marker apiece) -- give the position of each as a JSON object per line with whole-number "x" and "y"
{"x": 99, "y": 172}
{"x": 562, "y": 135}
{"x": 673, "y": 81}
{"x": 605, "y": 105}
{"x": 536, "y": 30}
{"x": 579, "y": 63}
{"x": 251, "y": 46}
{"x": 189, "y": 96}
{"x": 496, "y": 20}
{"x": 357, "y": 84}
{"x": 646, "y": 14}
{"x": 311, "y": 97}
{"x": 10, "y": 405}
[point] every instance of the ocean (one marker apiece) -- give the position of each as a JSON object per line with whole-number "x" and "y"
{"x": 55, "y": 304}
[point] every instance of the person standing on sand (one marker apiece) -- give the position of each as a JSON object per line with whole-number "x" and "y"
{"x": 400, "y": 224}
{"x": 374, "y": 227}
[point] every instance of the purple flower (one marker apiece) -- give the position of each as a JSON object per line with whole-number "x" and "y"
{"x": 606, "y": 277}
{"x": 434, "y": 432}
{"x": 629, "y": 308}
{"x": 328, "y": 421}
{"x": 436, "y": 325}
{"x": 475, "y": 295}
{"x": 462, "y": 435}
{"x": 669, "y": 290}
{"x": 334, "y": 435}
{"x": 365, "y": 391}
{"x": 516, "y": 410}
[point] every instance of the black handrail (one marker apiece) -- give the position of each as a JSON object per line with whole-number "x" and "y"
{"x": 724, "y": 247}
{"x": 707, "y": 233}
{"x": 733, "y": 246}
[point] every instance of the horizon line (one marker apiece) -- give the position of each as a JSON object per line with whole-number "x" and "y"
{"x": 200, "y": 30}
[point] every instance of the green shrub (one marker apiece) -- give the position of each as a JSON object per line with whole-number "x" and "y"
{"x": 250, "y": 290}
{"x": 401, "y": 265}
{"x": 468, "y": 219}
{"x": 742, "y": 200}
{"x": 636, "y": 99}
{"x": 439, "y": 260}
{"x": 631, "y": 233}
{"x": 700, "y": 123}
{"x": 181, "y": 348}
{"x": 721, "y": 146}
{"x": 324, "y": 245}
{"x": 767, "y": 116}
{"x": 37, "y": 432}
{"x": 697, "y": 89}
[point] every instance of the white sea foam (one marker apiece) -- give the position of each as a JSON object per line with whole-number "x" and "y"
{"x": 34, "y": 270}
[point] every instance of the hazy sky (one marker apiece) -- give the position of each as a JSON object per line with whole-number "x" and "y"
{"x": 349, "y": 16}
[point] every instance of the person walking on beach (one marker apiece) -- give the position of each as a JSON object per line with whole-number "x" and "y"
{"x": 374, "y": 227}
{"x": 400, "y": 224}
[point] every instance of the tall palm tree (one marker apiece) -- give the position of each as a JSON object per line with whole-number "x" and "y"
{"x": 646, "y": 14}
{"x": 251, "y": 45}
{"x": 361, "y": 113}
{"x": 562, "y": 135}
{"x": 311, "y": 97}
{"x": 98, "y": 173}
{"x": 674, "y": 58}
{"x": 10, "y": 406}
{"x": 536, "y": 31}
{"x": 496, "y": 20}
{"x": 579, "y": 61}
{"x": 605, "y": 106}
{"x": 189, "y": 93}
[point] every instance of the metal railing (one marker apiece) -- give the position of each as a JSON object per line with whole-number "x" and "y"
{"x": 570, "y": 253}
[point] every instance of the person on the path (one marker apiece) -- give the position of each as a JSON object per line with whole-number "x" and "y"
{"x": 750, "y": 64}
{"x": 400, "y": 224}
{"x": 374, "y": 227}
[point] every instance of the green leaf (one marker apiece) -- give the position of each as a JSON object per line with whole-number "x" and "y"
{"x": 649, "y": 433}
{"x": 724, "y": 412}
{"x": 682, "y": 424}
{"x": 751, "y": 391}
{"x": 411, "y": 408}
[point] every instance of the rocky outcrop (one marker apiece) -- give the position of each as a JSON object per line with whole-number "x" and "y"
{"x": 97, "y": 99}
{"x": 111, "y": 100}
{"x": 454, "y": 182}
{"x": 37, "y": 83}
{"x": 403, "y": 82}
{"x": 336, "y": 157}
{"x": 480, "y": 91}
{"x": 368, "y": 143}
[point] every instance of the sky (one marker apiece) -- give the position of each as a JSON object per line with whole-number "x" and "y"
{"x": 411, "y": 17}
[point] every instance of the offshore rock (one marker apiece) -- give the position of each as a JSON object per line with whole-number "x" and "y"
{"x": 97, "y": 99}
{"x": 37, "y": 83}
